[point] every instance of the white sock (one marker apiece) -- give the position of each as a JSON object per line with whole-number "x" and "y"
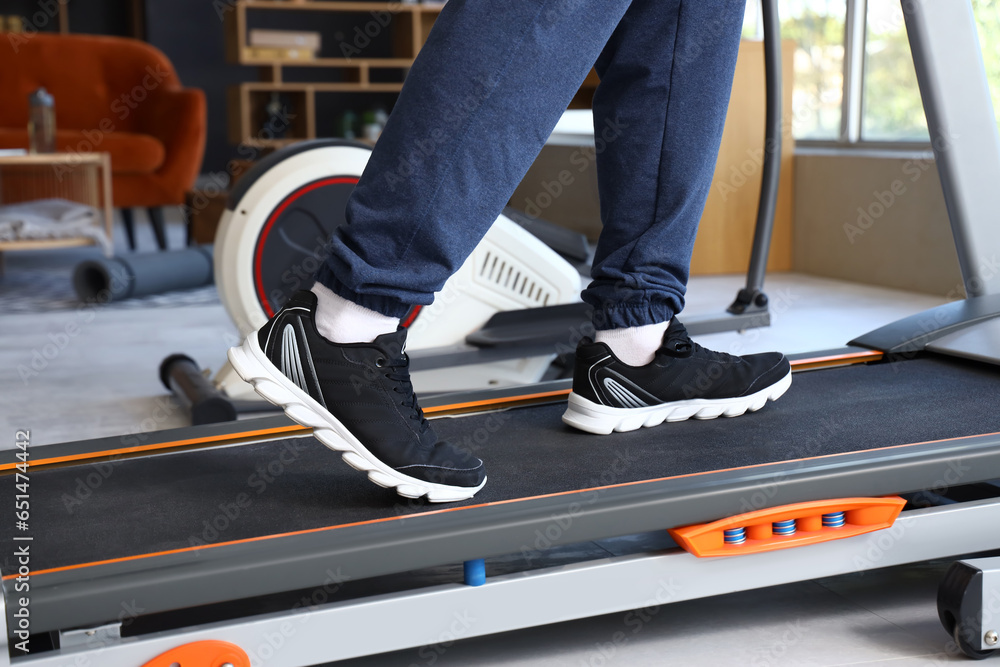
{"x": 342, "y": 321}
{"x": 634, "y": 346}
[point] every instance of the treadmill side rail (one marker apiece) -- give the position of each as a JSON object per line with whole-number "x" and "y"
{"x": 788, "y": 526}
{"x": 430, "y": 616}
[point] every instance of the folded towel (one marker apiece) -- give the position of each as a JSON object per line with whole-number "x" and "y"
{"x": 52, "y": 219}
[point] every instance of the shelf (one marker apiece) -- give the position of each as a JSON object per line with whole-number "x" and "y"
{"x": 44, "y": 244}
{"x": 281, "y": 143}
{"x": 264, "y": 86}
{"x": 269, "y": 143}
{"x": 336, "y": 6}
{"x": 332, "y": 62}
{"x": 406, "y": 26}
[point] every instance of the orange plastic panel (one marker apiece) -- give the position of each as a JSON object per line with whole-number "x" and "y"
{"x": 209, "y": 653}
{"x": 863, "y": 515}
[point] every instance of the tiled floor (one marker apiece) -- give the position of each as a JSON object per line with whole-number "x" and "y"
{"x": 103, "y": 381}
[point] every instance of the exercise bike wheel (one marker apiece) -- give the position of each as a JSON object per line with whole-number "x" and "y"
{"x": 278, "y": 221}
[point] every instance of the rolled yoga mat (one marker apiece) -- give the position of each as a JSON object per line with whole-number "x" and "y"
{"x": 130, "y": 276}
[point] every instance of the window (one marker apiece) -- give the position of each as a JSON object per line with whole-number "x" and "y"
{"x": 988, "y": 21}
{"x": 882, "y": 100}
{"x": 817, "y": 27}
{"x": 891, "y": 106}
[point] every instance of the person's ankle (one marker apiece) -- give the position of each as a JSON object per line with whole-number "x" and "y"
{"x": 635, "y": 346}
{"x": 342, "y": 321}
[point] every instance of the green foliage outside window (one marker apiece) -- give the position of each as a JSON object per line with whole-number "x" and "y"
{"x": 817, "y": 27}
{"x": 890, "y": 105}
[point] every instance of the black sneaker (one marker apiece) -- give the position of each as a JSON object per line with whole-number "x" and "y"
{"x": 684, "y": 380}
{"x": 359, "y": 401}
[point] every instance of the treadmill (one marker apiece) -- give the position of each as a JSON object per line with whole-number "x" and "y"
{"x": 250, "y": 543}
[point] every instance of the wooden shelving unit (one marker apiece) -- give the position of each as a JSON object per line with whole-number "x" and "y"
{"x": 408, "y": 29}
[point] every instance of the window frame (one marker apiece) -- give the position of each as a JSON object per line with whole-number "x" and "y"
{"x": 852, "y": 95}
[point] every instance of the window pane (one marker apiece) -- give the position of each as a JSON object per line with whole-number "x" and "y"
{"x": 891, "y": 98}
{"x": 988, "y": 20}
{"x": 817, "y": 26}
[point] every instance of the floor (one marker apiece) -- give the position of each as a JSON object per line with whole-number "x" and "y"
{"x": 73, "y": 373}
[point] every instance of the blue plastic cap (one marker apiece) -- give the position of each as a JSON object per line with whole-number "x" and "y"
{"x": 475, "y": 572}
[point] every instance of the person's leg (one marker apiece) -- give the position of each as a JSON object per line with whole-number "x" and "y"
{"x": 666, "y": 76}
{"x": 477, "y": 106}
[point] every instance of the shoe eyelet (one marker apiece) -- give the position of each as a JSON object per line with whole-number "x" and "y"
{"x": 380, "y": 362}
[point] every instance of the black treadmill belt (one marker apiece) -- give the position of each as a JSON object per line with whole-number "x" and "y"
{"x": 137, "y": 506}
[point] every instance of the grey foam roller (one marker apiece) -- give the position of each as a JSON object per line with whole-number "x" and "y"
{"x": 130, "y": 276}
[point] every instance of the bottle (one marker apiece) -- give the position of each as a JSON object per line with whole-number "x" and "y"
{"x": 369, "y": 127}
{"x": 41, "y": 122}
{"x": 381, "y": 117}
{"x": 348, "y": 121}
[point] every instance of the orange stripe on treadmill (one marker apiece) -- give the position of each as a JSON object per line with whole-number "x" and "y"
{"x": 838, "y": 359}
{"x": 800, "y": 364}
{"x": 294, "y": 428}
{"x": 557, "y": 494}
{"x": 496, "y": 401}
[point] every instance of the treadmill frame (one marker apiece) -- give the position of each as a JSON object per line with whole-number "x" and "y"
{"x": 91, "y": 594}
{"x": 939, "y": 33}
{"x": 438, "y": 615}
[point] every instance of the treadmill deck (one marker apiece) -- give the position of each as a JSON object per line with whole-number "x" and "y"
{"x": 155, "y": 504}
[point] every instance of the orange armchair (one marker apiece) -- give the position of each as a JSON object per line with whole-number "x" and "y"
{"x": 114, "y": 95}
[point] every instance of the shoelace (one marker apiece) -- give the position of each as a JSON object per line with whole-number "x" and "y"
{"x": 679, "y": 341}
{"x": 399, "y": 372}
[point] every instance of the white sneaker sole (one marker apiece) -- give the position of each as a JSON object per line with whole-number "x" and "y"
{"x": 253, "y": 366}
{"x": 602, "y": 420}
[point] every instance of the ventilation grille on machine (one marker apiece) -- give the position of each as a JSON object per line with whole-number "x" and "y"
{"x": 515, "y": 279}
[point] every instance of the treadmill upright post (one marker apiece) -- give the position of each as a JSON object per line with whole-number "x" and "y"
{"x": 752, "y": 298}
{"x": 956, "y": 98}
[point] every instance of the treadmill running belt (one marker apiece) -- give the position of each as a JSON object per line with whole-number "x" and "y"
{"x": 144, "y": 505}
